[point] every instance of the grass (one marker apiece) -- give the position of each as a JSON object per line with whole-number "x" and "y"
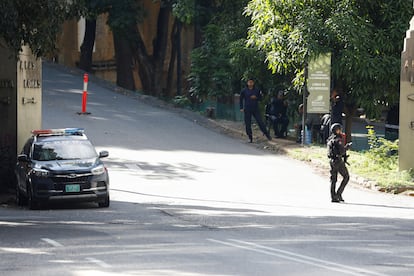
{"x": 376, "y": 168}
{"x": 381, "y": 171}
{"x": 385, "y": 174}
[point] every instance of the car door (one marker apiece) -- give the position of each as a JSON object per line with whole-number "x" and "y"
{"x": 24, "y": 166}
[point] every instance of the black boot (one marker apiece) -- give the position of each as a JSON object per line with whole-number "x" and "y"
{"x": 334, "y": 196}
{"x": 335, "y": 199}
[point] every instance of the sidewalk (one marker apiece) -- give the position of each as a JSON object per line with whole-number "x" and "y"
{"x": 237, "y": 130}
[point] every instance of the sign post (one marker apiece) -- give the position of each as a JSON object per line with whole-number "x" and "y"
{"x": 316, "y": 95}
{"x": 319, "y": 84}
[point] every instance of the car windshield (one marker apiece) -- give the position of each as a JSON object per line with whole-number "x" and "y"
{"x": 63, "y": 150}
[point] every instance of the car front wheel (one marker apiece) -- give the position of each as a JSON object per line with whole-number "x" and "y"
{"x": 31, "y": 202}
{"x": 105, "y": 203}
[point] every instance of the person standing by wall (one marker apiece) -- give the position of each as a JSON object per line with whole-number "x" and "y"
{"x": 249, "y": 104}
{"x": 337, "y": 106}
{"x": 282, "y": 120}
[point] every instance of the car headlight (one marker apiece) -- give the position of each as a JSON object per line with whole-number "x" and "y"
{"x": 98, "y": 170}
{"x": 40, "y": 172}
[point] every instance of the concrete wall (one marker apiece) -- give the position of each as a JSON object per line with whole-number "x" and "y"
{"x": 406, "y": 131}
{"x": 20, "y": 106}
{"x": 29, "y": 96}
{"x": 8, "y": 114}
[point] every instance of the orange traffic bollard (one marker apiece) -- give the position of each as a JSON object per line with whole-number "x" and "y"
{"x": 85, "y": 95}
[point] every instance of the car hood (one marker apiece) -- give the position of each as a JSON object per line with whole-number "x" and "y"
{"x": 68, "y": 165}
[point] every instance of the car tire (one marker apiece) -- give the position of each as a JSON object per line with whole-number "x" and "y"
{"x": 20, "y": 199}
{"x": 105, "y": 203}
{"x": 31, "y": 202}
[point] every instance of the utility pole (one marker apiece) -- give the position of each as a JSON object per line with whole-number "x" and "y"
{"x": 305, "y": 101}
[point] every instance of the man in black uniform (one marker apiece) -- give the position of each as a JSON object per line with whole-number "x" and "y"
{"x": 338, "y": 158}
{"x": 337, "y": 106}
{"x": 282, "y": 121}
{"x": 276, "y": 111}
{"x": 249, "y": 104}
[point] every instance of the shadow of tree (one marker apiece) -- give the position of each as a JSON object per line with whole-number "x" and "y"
{"x": 156, "y": 171}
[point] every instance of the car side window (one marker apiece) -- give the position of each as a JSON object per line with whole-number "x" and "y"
{"x": 27, "y": 147}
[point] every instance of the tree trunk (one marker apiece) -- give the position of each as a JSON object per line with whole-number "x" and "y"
{"x": 350, "y": 111}
{"x": 88, "y": 43}
{"x": 349, "y": 107}
{"x": 171, "y": 66}
{"x": 124, "y": 58}
{"x": 145, "y": 64}
{"x": 151, "y": 68}
{"x": 179, "y": 61}
{"x": 160, "y": 49}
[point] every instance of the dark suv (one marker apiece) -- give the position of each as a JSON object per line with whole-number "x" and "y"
{"x": 61, "y": 165}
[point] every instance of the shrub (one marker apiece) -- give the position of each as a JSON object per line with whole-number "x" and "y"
{"x": 382, "y": 151}
{"x": 181, "y": 101}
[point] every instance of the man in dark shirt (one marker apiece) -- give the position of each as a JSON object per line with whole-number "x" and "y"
{"x": 338, "y": 158}
{"x": 337, "y": 106}
{"x": 282, "y": 121}
{"x": 249, "y": 104}
{"x": 277, "y": 109}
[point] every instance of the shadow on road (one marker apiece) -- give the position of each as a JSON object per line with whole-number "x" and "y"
{"x": 379, "y": 206}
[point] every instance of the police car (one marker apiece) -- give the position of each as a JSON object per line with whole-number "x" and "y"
{"x": 59, "y": 165}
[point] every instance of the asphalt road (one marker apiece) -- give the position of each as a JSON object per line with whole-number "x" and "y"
{"x": 189, "y": 201}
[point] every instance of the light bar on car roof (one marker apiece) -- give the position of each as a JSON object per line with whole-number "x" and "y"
{"x": 74, "y": 131}
{"x": 60, "y": 131}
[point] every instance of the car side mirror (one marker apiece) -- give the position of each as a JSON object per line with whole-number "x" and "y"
{"x": 23, "y": 158}
{"x": 103, "y": 154}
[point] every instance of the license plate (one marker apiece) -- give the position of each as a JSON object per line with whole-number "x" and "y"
{"x": 74, "y": 188}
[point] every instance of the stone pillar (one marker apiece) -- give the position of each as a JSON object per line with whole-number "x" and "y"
{"x": 20, "y": 106}
{"x": 406, "y": 131}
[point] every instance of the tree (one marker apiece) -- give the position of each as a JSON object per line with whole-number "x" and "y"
{"x": 90, "y": 9}
{"x": 123, "y": 19}
{"x": 151, "y": 66}
{"x": 364, "y": 36}
{"x": 33, "y": 23}
{"x": 223, "y": 60}
{"x": 86, "y": 49}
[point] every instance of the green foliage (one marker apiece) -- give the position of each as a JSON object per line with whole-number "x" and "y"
{"x": 185, "y": 10}
{"x": 382, "y": 151}
{"x": 181, "y": 101}
{"x": 365, "y": 165}
{"x": 35, "y": 23}
{"x": 365, "y": 38}
{"x": 210, "y": 69}
{"x": 380, "y": 163}
{"x": 223, "y": 62}
{"x": 121, "y": 13}
{"x": 210, "y": 74}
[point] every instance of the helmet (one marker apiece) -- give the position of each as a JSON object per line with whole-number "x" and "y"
{"x": 335, "y": 127}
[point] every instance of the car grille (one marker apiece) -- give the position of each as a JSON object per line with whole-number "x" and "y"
{"x": 66, "y": 179}
{"x": 61, "y": 180}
